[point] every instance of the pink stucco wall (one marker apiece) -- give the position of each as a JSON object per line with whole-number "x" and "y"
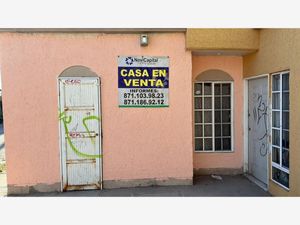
{"x": 137, "y": 143}
{"x": 233, "y": 66}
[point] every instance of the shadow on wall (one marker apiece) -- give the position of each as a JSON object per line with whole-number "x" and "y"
{"x": 2, "y": 154}
{"x": 1, "y": 113}
{"x": 1, "y": 128}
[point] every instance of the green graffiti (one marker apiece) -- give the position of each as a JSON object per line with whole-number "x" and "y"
{"x": 66, "y": 120}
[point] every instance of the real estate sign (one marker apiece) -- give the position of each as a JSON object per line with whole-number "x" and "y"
{"x": 143, "y": 81}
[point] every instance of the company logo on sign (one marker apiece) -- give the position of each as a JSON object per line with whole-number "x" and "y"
{"x": 141, "y": 60}
{"x": 129, "y": 60}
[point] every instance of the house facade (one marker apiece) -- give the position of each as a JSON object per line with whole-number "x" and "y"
{"x": 97, "y": 109}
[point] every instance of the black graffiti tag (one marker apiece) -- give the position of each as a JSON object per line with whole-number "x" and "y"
{"x": 260, "y": 116}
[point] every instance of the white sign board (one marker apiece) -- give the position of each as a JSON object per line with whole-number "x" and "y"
{"x": 143, "y": 81}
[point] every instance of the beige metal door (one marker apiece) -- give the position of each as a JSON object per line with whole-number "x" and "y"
{"x": 80, "y": 137}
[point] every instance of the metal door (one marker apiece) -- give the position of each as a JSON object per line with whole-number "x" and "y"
{"x": 258, "y": 128}
{"x": 80, "y": 133}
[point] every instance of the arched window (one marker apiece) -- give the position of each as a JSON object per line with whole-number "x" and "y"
{"x": 78, "y": 71}
{"x": 213, "y": 97}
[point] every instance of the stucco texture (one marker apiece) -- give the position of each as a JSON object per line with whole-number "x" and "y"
{"x": 280, "y": 50}
{"x": 233, "y": 65}
{"x": 138, "y": 143}
{"x": 222, "y": 39}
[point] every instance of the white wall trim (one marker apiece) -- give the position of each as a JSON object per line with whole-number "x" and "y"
{"x": 59, "y": 136}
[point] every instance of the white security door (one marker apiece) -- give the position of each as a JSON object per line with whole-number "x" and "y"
{"x": 258, "y": 128}
{"x": 80, "y": 137}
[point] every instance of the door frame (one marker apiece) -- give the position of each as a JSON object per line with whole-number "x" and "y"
{"x": 100, "y": 129}
{"x": 246, "y": 125}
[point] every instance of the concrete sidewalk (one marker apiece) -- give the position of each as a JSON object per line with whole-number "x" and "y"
{"x": 204, "y": 186}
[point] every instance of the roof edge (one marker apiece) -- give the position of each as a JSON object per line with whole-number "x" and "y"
{"x": 93, "y": 30}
